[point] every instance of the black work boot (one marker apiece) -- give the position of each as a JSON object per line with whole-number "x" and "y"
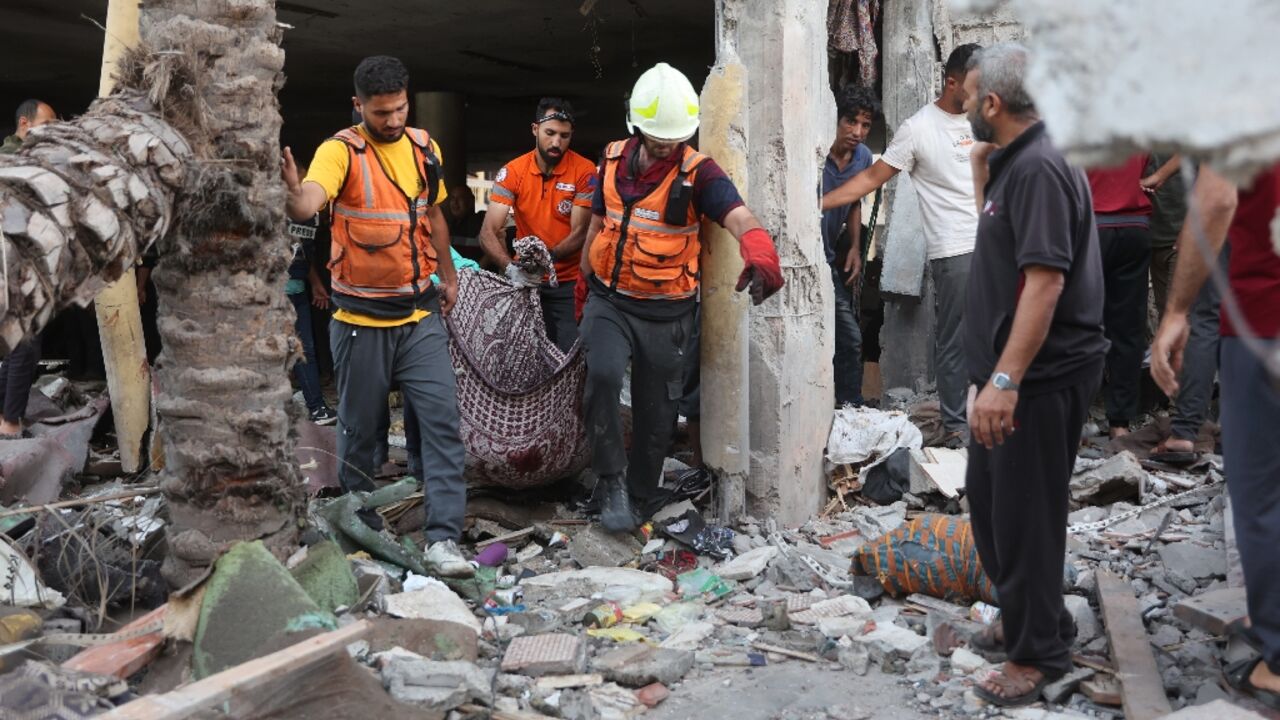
{"x": 615, "y": 512}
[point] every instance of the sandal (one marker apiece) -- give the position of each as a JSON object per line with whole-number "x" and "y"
{"x": 1238, "y": 674}
{"x": 1007, "y": 682}
{"x": 1176, "y": 458}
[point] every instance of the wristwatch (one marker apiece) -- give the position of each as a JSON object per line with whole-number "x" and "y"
{"x": 1002, "y": 381}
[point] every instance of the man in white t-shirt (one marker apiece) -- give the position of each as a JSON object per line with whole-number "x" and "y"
{"x": 933, "y": 147}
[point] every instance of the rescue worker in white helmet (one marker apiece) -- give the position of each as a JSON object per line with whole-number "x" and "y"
{"x": 640, "y": 266}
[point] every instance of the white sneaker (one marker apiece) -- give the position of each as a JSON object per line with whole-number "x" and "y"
{"x": 444, "y": 558}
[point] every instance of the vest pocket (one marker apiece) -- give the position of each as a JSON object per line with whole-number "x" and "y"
{"x": 377, "y": 256}
{"x": 660, "y": 258}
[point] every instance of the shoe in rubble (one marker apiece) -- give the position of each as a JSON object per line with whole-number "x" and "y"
{"x": 445, "y": 559}
{"x": 324, "y": 415}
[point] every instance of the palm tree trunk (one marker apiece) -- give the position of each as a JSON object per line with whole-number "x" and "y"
{"x": 225, "y": 322}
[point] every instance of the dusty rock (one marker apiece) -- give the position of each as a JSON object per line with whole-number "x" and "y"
{"x": 1116, "y": 478}
{"x": 1087, "y": 626}
{"x": 891, "y": 640}
{"x": 856, "y": 659}
{"x": 652, "y": 695}
{"x": 432, "y": 639}
{"x": 838, "y": 627}
{"x": 551, "y": 654}
{"x": 433, "y": 602}
{"x": 747, "y": 566}
{"x": 689, "y": 636}
{"x": 873, "y": 522}
{"x": 966, "y": 661}
{"x": 1193, "y": 560}
{"x": 636, "y": 665}
{"x": 614, "y": 702}
{"x": 1061, "y": 689}
{"x": 592, "y": 580}
{"x": 441, "y": 686}
{"x": 592, "y": 546}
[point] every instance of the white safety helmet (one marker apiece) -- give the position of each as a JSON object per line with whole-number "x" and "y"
{"x": 663, "y": 105}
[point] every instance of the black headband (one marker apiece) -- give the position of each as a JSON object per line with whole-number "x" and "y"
{"x": 557, "y": 115}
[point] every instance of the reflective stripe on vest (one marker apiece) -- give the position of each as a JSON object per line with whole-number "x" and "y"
{"x": 642, "y": 251}
{"x": 381, "y": 238}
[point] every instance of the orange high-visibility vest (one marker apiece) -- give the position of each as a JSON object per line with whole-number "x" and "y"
{"x": 381, "y": 238}
{"x": 649, "y": 248}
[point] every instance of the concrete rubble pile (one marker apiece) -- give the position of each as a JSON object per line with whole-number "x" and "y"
{"x": 565, "y": 620}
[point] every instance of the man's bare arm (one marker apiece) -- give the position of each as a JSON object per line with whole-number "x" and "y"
{"x": 1162, "y": 174}
{"x": 978, "y": 157}
{"x": 579, "y": 220}
{"x": 860, "y": 185}
{"x": 1214, "y": 202}
{"x": 304, "y": 199}
{"x": 1031, "y": 319}
{"x": 493, "y": 234}
{"x": 740, "y": 220}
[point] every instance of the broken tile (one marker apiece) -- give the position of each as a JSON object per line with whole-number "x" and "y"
{"x": 745, "y": 567}
{"x": 551, "y": 654}
{"x": 842, "y": 606}
{"x": 652, "y": 695}
{"x": 638, "y": 665}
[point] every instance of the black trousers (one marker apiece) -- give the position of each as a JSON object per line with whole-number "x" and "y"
{"x": 1018, "y": 507}
{"x": 1126, "y": 260}
{"x": 557, "y": 314}
{"x": 656, "y": 350}
{"x": 1250, "y": 415}
{"x": 17, "y": 372}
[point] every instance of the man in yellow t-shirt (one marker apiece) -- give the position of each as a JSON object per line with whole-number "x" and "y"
{"x": 389, "y": 236}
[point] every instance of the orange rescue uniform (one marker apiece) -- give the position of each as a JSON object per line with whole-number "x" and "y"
{"x": 649, "y": 249}
{"x": 543, "y": 204}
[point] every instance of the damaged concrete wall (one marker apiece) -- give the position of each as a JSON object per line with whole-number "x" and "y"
{"x": 783, "y": 46}
{"x": 1111, "y": 78}
{"x": 918, "y": 37}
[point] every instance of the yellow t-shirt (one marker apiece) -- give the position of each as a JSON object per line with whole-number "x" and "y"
{"x": 328, "y": 169}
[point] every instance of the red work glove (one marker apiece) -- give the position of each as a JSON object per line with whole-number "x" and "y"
{"x": 762, "y": 271}
{"x": 579, "y": 298}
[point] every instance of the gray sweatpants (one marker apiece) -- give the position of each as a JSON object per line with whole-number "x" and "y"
{"x": 950, "y": 280}
{"x": 416, "y": 355}
{"x": 1199, "y": 359}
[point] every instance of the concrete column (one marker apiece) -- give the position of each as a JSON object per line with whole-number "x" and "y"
{"x": 909, "y": 81}
{"x": 726, "y": 438}
{"x": 444, "y": 115}
{"x": 119, "y": 319}
{"x": 782, "y": 45}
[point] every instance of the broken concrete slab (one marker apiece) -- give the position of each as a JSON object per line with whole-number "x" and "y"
{"x": 592, "y": 580}
{"x": 592, "y": 546}
{"x": 689, "y": 636}
{"x": 838, "y": 627}
{"x": 842, "y": 606}
{"x": 1194, "y": 560}
{"x": 433, "y": 602}
{"x": 1087, "y": 625}
{"x": 432, "y": 639}
{"x": 638, "y": 664}
{"x": 747, "y": 565}
{"x": 1213, "y": 610}
{"x": 1116, "y": 478}
{"x": 1062, "y": 688}
{"x": 325, "y": 573}
{"x": 550, "y": 654}
{"x": 438, "y": 686}
{"x": 252, "y": 606}
{"x": 889, "y": 640}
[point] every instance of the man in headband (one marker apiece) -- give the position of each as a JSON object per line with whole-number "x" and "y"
{"x": 549, "y": 189}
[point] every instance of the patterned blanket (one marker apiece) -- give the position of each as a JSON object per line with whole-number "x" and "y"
{"x": 518, "y": 394}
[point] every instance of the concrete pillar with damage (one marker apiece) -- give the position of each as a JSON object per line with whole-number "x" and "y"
{"x": 782, "y": 46}
{"x": 444, "y": 115}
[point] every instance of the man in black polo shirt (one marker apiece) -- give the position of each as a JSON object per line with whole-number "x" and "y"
{"x": 1035, "y": 348}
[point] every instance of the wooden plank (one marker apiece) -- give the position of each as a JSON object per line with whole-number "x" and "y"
{"x": 127, "y": 656}
{"x": 560, "y": 682}
{"x": 505, "y": 538}
{"x": 1213, "y": 611}
{"x": 277, "y": 671}
{"x": 1143, "y": 691}
{"x": 787, "y": 652}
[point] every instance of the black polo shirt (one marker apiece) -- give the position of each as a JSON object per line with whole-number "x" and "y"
{"x": 1037, "y": 211}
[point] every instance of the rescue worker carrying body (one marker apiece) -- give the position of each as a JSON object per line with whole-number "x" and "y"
{"x": 640, "y": 266}
{"x": 549, "y": 190}
{"x": 388, "y": 237}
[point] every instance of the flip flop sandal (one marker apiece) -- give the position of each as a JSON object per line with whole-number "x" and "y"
{"x": 1026, "y": 698}
{"x": 1177, "y": 458}
{"x": 1238, "y": 628}
{"x": 1238, "y": 673}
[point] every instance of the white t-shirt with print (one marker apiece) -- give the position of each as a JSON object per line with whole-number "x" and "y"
{"x": 933, "y": 147}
